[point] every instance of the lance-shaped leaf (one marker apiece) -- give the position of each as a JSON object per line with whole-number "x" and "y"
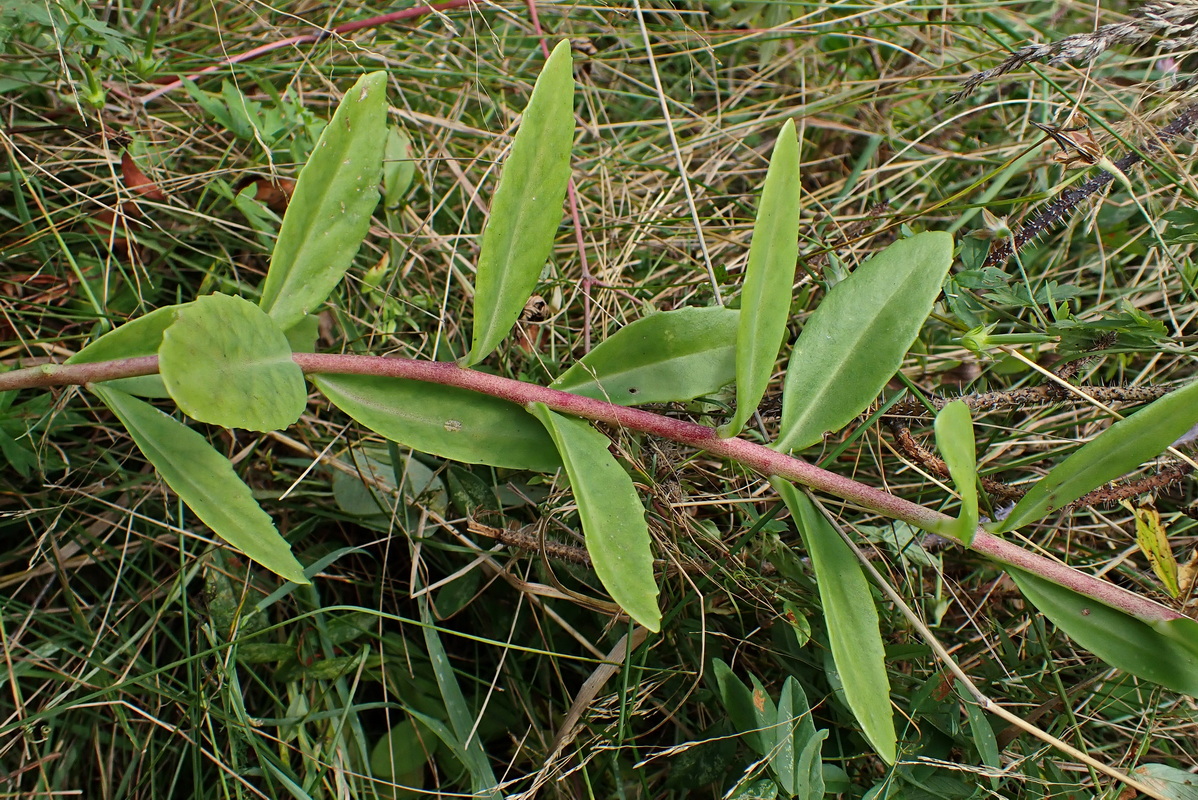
{"x": 769, "y": 276}
{"x": 669, "y": 357}
{"x": 1164, "y": 652}
{"x": 1116, "y": 451}
{"x": 855, "y": 341}
{"x": 527, "y": 207}
{"x": 444, "y": 420}
{"x": 954, "y": 439}
{"x": 751, "y": 711}
{"x": 398, "y": 167}
{"x": 329, "y": 212}
{"x": 852, "y": 621}
{"x": 226, "y": 362}
{"x": 136, "y": 338}
{"x": 205, "y": 481}
{"x": 613, "y": 518}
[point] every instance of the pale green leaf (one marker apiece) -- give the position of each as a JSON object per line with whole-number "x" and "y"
{"x": 1154, "y": 544}
{"x": 855, "y": 341}
{"x": 809, "y": 772}
{"x": 1162, "y": 652}
{"x": 136, "y": 338}
{"x": 205, "y": 481}
{"x": 225, "y": 362}
{"x": 769, "y": 277}
{"x": 852, "y": 621}
{"x": 1116, "y": 451}
{"x": 527, "y": 207}
{"x": 954, "y": 440}
{"x": 669, "y": 357}
{"x": 1173, "y": 783}
{"x": 613, "y": 519}
{"x": 443, "y": 420}
{"x": 329, "y": 213}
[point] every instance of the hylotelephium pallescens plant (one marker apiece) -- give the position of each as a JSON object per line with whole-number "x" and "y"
{"x": 226, "y": 361}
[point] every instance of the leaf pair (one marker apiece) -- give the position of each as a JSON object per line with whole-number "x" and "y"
{"x": 226, "y": 362}
{"x": 783, "y": 734}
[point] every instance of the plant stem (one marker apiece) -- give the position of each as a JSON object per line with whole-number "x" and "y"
{"x": 757, "y": 457}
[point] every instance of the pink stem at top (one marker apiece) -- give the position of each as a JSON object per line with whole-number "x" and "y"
{"x": 309, "y": 38}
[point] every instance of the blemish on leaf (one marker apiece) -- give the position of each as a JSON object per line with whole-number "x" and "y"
{"x": 759, "y": 700}
{"x": 452, "y": 425}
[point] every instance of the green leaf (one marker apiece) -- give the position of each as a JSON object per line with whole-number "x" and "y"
{"x": 1162, "y": 652}
{"x": 527, "y": 207}
{"x": 745, "y": 708}
{"x": 398, "y": 167}
{"x": 613, "y": 518}
{"x": 329, "y": 213}
{"x": 954, "y": 439}
{"x": 809, "y": 772}
{"x": 205, "y": 481}
{"x": 1116, "y": 451}
{"x": 1174, "y": 783}
{"x": 793, "y": 730}
{"x": 443, "y": 420}
{"x": 855, "y": 341}
{"x": 769, "y": 278}
{"x": 226, "y": 362}
{"x": 669, "y": 357}
{"x": 852, "y": 621}
{"x": 136, "y": 338}
{"x": 1154, "y": 544}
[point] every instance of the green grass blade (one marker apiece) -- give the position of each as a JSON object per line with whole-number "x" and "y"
{"x": 225, "y": 362}
{"x": 527, "y": 207}
{"x": 613, "y": 518}
{"x": 669, "y": 357}
{"x": 1165, "y": 653}
{"x": 461, "y": 718}
{"x": 329, "y": 213}
{"x": 954, "y": 439}
{"x": 1116, "y": 451}
{"x": 443, "y": 420}
{"x": 769, "y": 277}
{"x": 205, "y": 481}
{"x": 852, "y": 621}
{"x": 855, "y": 341}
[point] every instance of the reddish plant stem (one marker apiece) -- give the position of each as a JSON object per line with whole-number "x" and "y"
{"x": 754, "y": 456}
{"x": 309, "y": 38}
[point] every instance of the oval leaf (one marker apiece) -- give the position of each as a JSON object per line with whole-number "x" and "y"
{"x": 527, "y": 207}
{"x": 613, "y": 518}
{"x": 855, "y": 341}
{"x": 669, "y": 357}
{"x": 443, "y": 420}
{"x": 852, "y": 621}
{"x": 205, "y": 481}
{"x": 225, "y": 362}
{"x": 1162, "y": 652}
{"x": 398, "y": 167}
{"x": 1116, "y": 451}
{"x": 329, "y": 213}
{"x": 769, "y": 277}
{"x": 954, "y": 440}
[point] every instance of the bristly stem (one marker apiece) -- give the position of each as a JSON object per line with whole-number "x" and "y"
{"x": 760, "y": 459}
{"x": 1063, "y": 204}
